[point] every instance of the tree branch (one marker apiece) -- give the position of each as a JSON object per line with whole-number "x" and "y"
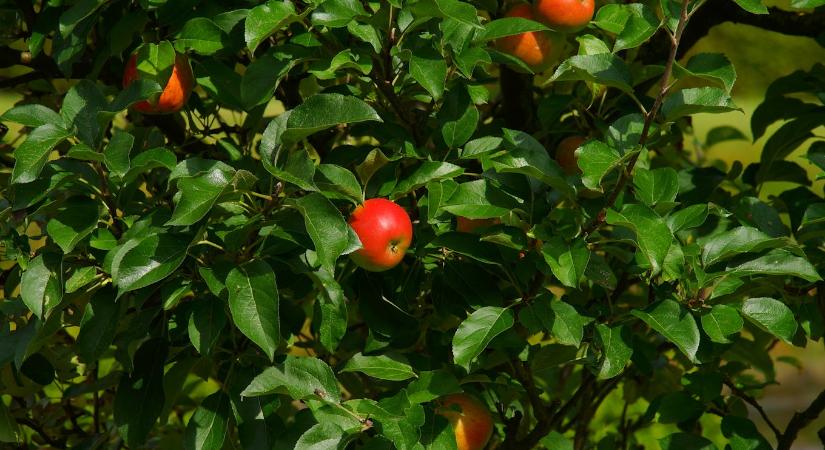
{"x": 752, "y": 401}
{"x": 651, "y": 115}
{"x": 800, "y": 420}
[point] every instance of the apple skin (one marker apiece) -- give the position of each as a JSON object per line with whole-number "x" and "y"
{"x": 566, "y": 154}
{"x": 176, "y": 92}
{"x": 466, "y": 225}
{"x": 385, "y": 231}
{"x": 538, "y": 49}
{"x": 472, "y": 425}
{"x": 565, "y": 15}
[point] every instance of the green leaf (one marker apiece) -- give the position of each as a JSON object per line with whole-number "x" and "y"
{"x": 432, "y": 384}
{"x": 266, "y": 19}
{"x": 697, "y": 100}
{"x": 567, "y": 262}
{"x": 98, "y": 325}
{"x": 116, "y": 153}
{"x": 208, "y": 427}
{"x": 301, "y": 378}
{"x": 9, "y": 430}
{"x": 508, "y": 26}
{"x": 690, "y": 217}
{"x": 596, "y": 159}
{"x": 205, "y": 324}
{"x": 147, "y": 259}
{"x": 652, "y": 233}
{"x": 81, "y": 277}
{"x": 720, "y": 322}
{"x": 641, "y": 23}
{"x": 338, "y": 13}
{"x": 321, "y": 436}
{"x": 253, "y": 302}
{"x": 31, "y": 156}
{"x": 742, "y": 434}
{"x": 429, "y": 69}
{"x": 332, "y": 324}
{"x": 737, "y": 241}
{"x": 393, "y": 367}
{"x": 33, "y": 116}
{"x": 457, "y": 10}
{"x": 656, "y": 186}
{"x": 351, "y": 61}
{"x": 326, "y": 227}
{"x": 322, "y": 111}
{"x": 616, "y": 350}
{"x": 674, "y": 322}
{"x": 723, "y": 133}
{"x": 479, "y": 199}
{"x": 41, "y": 286}
{"x": 753, "y": 7}
{"x": 567, "y": 324}
{"x": 76, "y": 14}
{"x": 75, "y": 219}
{"x": 427, "y": 172}
{"x": 525, "y": 155}
{"x": 603, "y": 68}
{"x": 332, "y": 179}
{"x": 556, "y": 441}
{"x": 787, "y": 139}
{"x": 139, "y": 398}
{"x": 265, "y": 73}
{"x": 80, "y": 108}
{"x": 714, "y": 67}
{"x": 458, "y": 117}
{"x": 477, "y": 330}
{"x": 771, "y": 315}
{"x": 199, "y": 194}
{"x": 200, "y": 35}
{"x": 776, "y": 262}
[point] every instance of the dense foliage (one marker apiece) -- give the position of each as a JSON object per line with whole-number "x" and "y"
{"x": 181, "y": 280}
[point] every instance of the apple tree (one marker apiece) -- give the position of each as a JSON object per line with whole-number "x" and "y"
{"x": 399, "y": 224}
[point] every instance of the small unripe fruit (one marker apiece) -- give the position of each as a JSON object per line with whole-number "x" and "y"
{"x": 566, "y": 154}
{"x": 176, "y": 92}
{"x": 538, "y": 49}
{"x": 565, "y": 15}
{"x": 385, "y": 231}
{"x": 471, "y": 421}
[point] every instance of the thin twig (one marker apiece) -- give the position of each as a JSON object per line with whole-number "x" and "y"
{"x": 651, "y": 115}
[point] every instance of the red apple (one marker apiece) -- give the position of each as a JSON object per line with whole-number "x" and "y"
{"x": 385, "y": 231}
{"x": 471, "y": 421}
{"x": 565, "y": 15}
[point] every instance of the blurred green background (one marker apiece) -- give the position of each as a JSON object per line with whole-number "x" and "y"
{"x": 760, "y": 57}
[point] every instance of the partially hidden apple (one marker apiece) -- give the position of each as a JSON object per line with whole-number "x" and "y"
{"x": 566, "y": 154}
{"x": 565, "y": 15}
{"x": 538, "y": 49}
{"x": 471, "y": 421}
{"x": 385, "y": 231}
{"x": 466, "y": 225}
{"x": 176, "y": 92}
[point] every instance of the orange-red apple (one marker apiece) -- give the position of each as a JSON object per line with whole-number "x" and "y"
{"x": 565, "y": 15}
{"x": 176, "y": 92}
{"x": 538, "y": 49}
{"x": 471, "y": 421}
{"x": 566, "y": 154}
